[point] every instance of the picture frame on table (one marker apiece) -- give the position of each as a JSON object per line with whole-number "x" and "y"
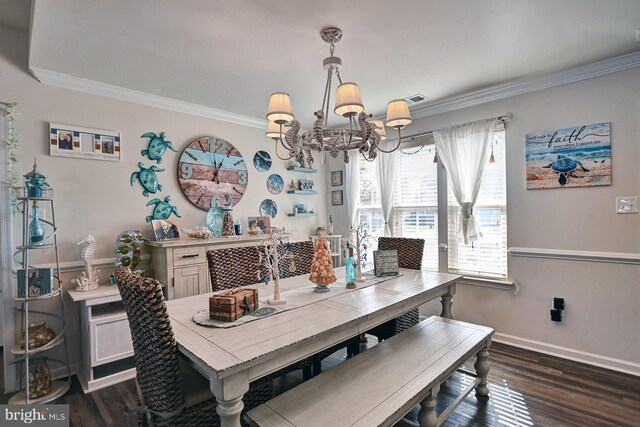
{"x": 336, "y": 178}
{"x": 165, "y": 230}
{"x": 259, "y": 225}
{"x": 337, "y": 198}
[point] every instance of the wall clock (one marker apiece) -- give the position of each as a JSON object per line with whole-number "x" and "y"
{"x": 212, "y": 168}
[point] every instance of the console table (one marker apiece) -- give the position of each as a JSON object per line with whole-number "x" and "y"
{"x": 181, "y": 265}
{"x": 107, "y": 350}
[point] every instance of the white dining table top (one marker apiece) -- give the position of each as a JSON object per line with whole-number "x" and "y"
{"x": 319, "y": 316}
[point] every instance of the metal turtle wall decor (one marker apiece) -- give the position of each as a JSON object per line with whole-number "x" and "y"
{"x": 157, "y": 146}
{"x": 147, "y": 178}
{"x": 162, "y": 209}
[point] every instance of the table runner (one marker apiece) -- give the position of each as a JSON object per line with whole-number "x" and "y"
{"x": 265, "y": 310}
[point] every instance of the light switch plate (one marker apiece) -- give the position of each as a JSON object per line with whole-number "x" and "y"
{"x": 627, "y": 205}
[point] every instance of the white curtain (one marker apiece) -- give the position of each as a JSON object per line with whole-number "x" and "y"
{"x": 386, "y": 166}
{"x": 464, "y": 150}
{"x": 352, "y": 177}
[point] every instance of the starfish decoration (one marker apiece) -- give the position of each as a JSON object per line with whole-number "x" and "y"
{"x": 12, "y": 143}
{"x": 14, "y": 182}
{"x": 245, "y": 306}
{"x": 292, "y": 186}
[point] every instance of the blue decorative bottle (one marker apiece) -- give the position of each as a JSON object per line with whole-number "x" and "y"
{"x": 351, "y": 270}
{"x": 36, "y": 229}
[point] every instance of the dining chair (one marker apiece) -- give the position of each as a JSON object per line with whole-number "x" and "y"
{"x": 240, "y": 266}
{"x": 302, "y": 260}
{"x": 410, "y": 253}
{"x": 169, "y": 391}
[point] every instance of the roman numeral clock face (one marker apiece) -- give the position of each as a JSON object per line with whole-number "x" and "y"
{"x": 209, "y": 168}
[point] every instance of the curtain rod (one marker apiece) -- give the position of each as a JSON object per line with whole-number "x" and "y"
{"x": 503, "y": 119}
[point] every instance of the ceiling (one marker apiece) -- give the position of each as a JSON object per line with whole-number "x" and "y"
{"x": 231, "y": 55}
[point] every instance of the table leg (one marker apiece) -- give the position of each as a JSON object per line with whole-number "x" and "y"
{"x": 229, "y": 392}
{"x": 447, "y": 302}
{"x": 482, "y": 369}
{"x": 427, "y": 416}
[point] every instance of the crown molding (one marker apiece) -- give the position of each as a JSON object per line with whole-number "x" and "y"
{"x": 546, "y": 81}
{"x": 67, "y": 81}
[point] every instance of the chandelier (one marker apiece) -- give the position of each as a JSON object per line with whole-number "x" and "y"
{"x": 362, "y": 133}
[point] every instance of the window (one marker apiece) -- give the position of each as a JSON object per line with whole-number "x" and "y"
{"x": 415, "y": 202}
{"x": 487, "y": 256}
{"x": 415, "y": 211}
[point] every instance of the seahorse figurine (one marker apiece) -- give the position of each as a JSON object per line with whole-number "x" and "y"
{"x": 318, "y": 128}
{"x": 89, "y": 278}
{"x": 291, "y": 136}
{"x": 365, "y": 127}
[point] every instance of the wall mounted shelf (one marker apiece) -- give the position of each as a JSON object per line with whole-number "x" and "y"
{"x": 302, "y": 214}
{"x": 303, "y": 170}
{"x": 302, "y": 192}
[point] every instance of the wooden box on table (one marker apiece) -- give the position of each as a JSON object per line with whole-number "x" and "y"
{"x": 233, "y": 304}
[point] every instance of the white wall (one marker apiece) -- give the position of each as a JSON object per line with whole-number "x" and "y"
{"x": 95, "y": 196}
{"x": 602, "y": 300}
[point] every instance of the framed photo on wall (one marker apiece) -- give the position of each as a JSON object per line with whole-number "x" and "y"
{"x": 84, "y": 143}
{"x": 336, "y": 178}
{"x": 336, "y": 198}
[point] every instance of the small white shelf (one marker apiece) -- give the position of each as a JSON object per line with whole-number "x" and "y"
{"x": 58, "y": 389}
{"x": 303, "y": 170}
{"x": 302, "y": 192}
{"x": 301, "y": 214}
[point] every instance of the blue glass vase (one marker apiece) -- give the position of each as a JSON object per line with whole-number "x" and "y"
{"x": 215, "y": 219}
{"x": 36, "y": 227}
{"x": 351, "y": 270}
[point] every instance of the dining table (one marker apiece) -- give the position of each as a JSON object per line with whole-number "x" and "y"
{"x": 232, "y": 357}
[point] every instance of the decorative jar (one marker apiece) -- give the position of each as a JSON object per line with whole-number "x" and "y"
{"x": 39, "y": 378}
{"x": 228, "y": 228}
{"x": 39, "y": 335}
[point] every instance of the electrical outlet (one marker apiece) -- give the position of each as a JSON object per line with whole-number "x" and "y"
{"x": 627, "y": 205}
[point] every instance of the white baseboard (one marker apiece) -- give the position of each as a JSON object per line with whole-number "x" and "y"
{"x": 618, "y": 365}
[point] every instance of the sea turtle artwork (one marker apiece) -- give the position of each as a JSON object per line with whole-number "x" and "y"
{"x": 162, "y": 209}
{"x": 147, "y": 178}
{"x": 157, "y": 146}
{"x": 565, "y": 167}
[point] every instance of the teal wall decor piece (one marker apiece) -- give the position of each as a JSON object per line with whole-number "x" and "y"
{"x": 157, "y": 146}
{"x": 147, "y": 178}
{"x": 162, "y": 209}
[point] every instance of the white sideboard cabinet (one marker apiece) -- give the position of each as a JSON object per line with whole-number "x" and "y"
{"x": 181, "y": 265}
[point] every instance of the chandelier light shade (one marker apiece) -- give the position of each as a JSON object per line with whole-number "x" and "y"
{"x": 348, "y": 100}
{"x": 280, "y": 110}
{"x": 380, "y": 129}
{"x": 275, "y": 131}
{"x": 359, "y": 132}
{"x": 398, "y": 115}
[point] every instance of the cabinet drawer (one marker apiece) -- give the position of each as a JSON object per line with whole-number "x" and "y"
{"x": 189, "y": 256}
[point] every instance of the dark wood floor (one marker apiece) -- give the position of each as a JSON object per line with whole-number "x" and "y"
{"x": 526, "y": 389}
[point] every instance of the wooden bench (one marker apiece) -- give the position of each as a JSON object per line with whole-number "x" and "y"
{"x": 379, "y": 386}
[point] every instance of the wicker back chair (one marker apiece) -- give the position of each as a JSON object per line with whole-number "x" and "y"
{"x": 234, "y": 267}
{"x": 410, "y": 253}
{"x": 303, "y": 252}
{"x": 160, "y": 375}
